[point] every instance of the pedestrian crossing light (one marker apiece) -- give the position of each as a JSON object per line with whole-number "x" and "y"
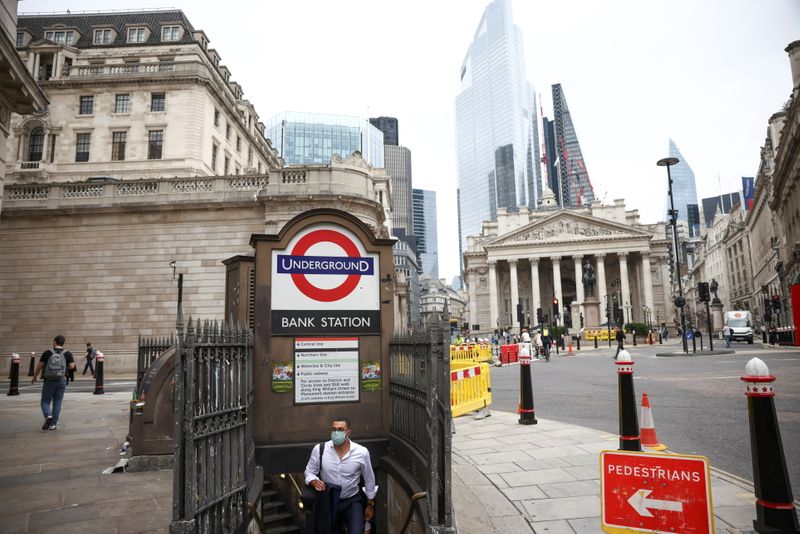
{"x": 556, "y": 310}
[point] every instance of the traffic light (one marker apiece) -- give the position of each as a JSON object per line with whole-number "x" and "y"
{"x": 556, "y": 310}
{"x": 768, "y": 315}
{"x": 703, "y": 291}
{"x": 776, "y": 303}
{"x": 539, "y": 316}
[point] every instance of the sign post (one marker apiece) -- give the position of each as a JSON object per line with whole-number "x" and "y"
{"x": 653, "y": 492}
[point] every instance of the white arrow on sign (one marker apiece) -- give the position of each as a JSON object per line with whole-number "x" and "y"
{"x": 641, "y": 503}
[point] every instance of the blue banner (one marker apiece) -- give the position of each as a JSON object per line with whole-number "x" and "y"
{"x": 748, "y": 191}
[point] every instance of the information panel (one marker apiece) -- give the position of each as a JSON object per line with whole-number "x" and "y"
{"x": 326, "y": 370}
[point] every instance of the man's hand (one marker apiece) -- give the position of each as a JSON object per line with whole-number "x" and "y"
{"x": 318, "y": 485}
{"x": 369, "y": 513}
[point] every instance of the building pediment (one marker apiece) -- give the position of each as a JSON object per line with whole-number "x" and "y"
{"x": 564, "y": 227}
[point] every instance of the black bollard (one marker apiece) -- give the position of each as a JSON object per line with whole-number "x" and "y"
{"x": 629, "y": 439}
{"x": 527, "y": 414}
{"x": 694, "y": 344}
{"x": 578, "y": 343}
{"x": 634, "y": 338}
{"x": 13, "y": 386}
{"x": 660, "y": 341}
{"x": 775, "y": 510}
{"x": 33, "y": 364}
{"x": 98, "y": 374}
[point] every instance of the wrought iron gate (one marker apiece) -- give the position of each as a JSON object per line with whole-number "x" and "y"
{"x": 420, "y": 422}
{"x": 213, "y": 436}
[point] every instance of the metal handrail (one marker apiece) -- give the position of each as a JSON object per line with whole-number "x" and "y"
{"x": 255, "y": 514}
{"x": 297, "y": 489}
{"x": 414, "y": 498}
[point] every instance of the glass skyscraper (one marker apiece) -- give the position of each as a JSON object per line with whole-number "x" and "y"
{"x": 313, "y": 138}
{"x": 568, "y": 170}
{"x": 684, "y": 190}
{"x": 497, "y": 139}
{"x": 424, "y": 209}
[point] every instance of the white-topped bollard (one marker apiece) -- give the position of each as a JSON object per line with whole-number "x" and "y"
{"x": 13, "y": 386}
{"x": 775, "y": 511}
{"x": 629, "y": 439}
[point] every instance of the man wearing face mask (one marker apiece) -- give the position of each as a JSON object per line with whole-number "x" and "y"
{"x": 344, "y": 462}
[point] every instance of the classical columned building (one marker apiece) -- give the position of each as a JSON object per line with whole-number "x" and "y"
{"x": 530, "y": 258}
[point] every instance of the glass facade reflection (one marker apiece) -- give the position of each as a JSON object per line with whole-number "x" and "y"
{"x": 313, "y": 138}
{"x": 425, "y": 230}
{"x": 684, "y": 190}
{"x": 497, "y": 134}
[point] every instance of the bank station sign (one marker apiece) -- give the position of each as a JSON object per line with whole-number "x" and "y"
{"x": 325, "y": 281}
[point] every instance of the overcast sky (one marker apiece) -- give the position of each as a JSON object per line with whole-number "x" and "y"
{"x": 706, "y": 73}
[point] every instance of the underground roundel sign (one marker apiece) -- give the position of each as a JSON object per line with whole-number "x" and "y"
{"x": 325, "y": 282}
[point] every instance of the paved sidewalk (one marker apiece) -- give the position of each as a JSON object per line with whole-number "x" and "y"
{"x": 52, "y": 481}
{"x": 545, "y": 478}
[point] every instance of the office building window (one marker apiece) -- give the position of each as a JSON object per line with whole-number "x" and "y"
{"x": 227, "y": 165}
{"x": 249, "y": 156}
{"x": 102, "y": 37}
{"x": 227, "y": 131}
{"x": 158, "y": 102}
{"x": 118, "y": 141}
{"x": 238, "y": 143}
{"x": 20, "y": 39}
{"x": 216, "y": 117}
{"x": 36, "y": 145}
{"x": 82, "y": 142}
{"x": 171, "y": 33}
{"x": 86, "y": 105}
{"x": 136, "y": 35}
{"x": 63, "y": 37}
{"x": 121, "y": 103}
{"x": 214, "y": 149}
{"x": 155, "y": 144}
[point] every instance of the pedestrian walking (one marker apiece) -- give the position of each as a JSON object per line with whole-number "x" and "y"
{"x": 334, "y": 473}
{"x": 727, "y": 333}
{"x": 53, "y": 366}
{"x": 620, "y": 337}
{"x": 91, "y": 352}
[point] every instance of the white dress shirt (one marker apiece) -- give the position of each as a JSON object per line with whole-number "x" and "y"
{"x": 345, "y": 472}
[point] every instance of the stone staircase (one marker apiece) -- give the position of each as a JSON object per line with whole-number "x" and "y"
{"x": 275, "y": 515}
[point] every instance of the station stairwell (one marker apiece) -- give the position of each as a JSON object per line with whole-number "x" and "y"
{"x": 275, "y": 515}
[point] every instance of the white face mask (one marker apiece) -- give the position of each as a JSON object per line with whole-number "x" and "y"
{"x": 338, "y": 436}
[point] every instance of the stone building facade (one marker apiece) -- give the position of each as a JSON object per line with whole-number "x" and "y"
{"x": 86, "y": 247}
{"x": 531, "y": 257}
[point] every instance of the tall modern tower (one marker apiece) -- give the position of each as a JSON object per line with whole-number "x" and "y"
{"x": 424, "y": 208}
{"x": 497, "y": 139}
{"x": 389, "y": 127}
{"x": 684, "y": 189}
{"x": 397, "y": 161}
{"x": 569, "y": 168}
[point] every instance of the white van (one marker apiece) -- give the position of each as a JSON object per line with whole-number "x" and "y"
{"x": 741, "y": 324}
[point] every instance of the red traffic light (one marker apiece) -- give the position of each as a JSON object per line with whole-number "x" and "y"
{"x": 555, "y": 302}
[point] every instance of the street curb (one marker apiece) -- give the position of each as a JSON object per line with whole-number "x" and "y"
{"x": 690, "y": 354}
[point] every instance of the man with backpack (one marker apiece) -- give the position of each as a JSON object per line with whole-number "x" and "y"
{"x": 91, "y": 352}
{"x": 53, "y": 366}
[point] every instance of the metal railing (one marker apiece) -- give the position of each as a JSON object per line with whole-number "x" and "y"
{"x": 213, "y": 434}
{"x": 150, "y": 348}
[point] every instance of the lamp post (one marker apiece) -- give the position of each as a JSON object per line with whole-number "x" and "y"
{"x": 679, "y": 301}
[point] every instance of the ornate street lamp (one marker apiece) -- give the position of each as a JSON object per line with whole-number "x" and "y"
{"x": 679, "y": 301}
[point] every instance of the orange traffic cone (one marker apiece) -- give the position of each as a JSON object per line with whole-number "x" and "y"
{"x": 647, "y": 429}
{"x": 570, "y": 348}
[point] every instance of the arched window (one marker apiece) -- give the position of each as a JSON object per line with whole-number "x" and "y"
{"x": 36, "y": 145}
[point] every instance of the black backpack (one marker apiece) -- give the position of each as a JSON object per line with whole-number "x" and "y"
{"x": 56, "y": 366}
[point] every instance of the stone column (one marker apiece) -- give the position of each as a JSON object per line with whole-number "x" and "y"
{"x": 601, "y": 277}
{"x": 579, "y": 279}
{"x": 492, "y": 295}
{"x": 557, "y": 277}
{"x": 537, "y": 294}
{"x": 472, "y": 280}
{"x": 647, "y": 281}
{"x": 36, "y": 59}
{"x": 512, "y": 267}
{"x": 625, "y": 284}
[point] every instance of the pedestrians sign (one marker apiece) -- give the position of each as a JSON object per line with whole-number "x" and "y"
{"x": 655, "y": 492}
{"x": 325, "y": 282}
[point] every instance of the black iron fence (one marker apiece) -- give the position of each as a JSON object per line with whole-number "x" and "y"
{"x": 213, "y": 436}
{"x": 420, "y": 422}
{"x": 150, "y": 348}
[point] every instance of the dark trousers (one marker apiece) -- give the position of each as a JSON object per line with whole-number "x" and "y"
{"x": 351, "y": 514}
{"x": 90, "y": 366}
